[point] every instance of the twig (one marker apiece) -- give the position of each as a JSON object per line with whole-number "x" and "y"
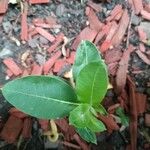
{"x": 70, "y": 145}
{"x": 129, "y": 27}
{"x": 15, "y": 23}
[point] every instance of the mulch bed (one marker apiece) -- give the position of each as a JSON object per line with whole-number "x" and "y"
{"x": 40, "y": 37}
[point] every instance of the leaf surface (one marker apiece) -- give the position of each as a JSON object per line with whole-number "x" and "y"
{"x": 86, "y": 53}
{"x": 41, "y": 96}
{"x": 87, "y": 135}
{"x": 91, "y": 83}
{"x": 82, "y": 117}
{"x": 124, "y": 119}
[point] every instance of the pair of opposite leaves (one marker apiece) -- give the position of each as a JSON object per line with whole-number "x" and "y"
{"x": 51, "y": 97}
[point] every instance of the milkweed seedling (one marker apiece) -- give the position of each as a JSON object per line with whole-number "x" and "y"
{"x": 51, "y": 97}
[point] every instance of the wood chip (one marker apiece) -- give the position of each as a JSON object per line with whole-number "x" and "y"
{"x": 94, "y": 6}
{"x": 38, "y": 1}
{"x": 11, "y": 129}
{"x": 122, "y": 69}
{"x": 112, "y": 68}
{"x": 105, "y": 46}
{"x": 59, "y": 65}
{"x": 113, "y": 55}
{"x": 142, "y": 34}
{"x": 142, "y": 47}
{"x": 65, "y": 128}
{"x": 12, "y": 66}
{"x": 141, "y": 102}
{"x": 94, "y": 22}
{"x": 17, "y": 113}
{"x": 9, "y": 73}
{"x": 102, "y": 33}
{"x": 44, "y": 124}
{"x": 109, "y": 122}
{"x": 117, "y": 9}
{"x": 27, "y": 128}
{"x": 3, "y": 6}
{"x": 24, "y": 25}
{"x": 83, "y": 145}
{"x": 133, "y": 113}
{"x": 36, "y": 69}
{"x": 45, "y": 34}
{"x": 147, "y": 120}
{"x": 123, "y": 24}
{"x": 147, "y": 7}
{"x": 85, "y": 34}
{"x": 56, "y": 43}
{"x": 143, "y": 57}
{"x": 138, "y": 6}
{"x": 71, "y": 58}
{"x": 25, "y": 73}
{"x": 107, "y": 43}
{"x": 48, "y": 65}
{"x": 145, "y": 14}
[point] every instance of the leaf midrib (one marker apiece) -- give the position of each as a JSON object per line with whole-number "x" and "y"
{"x": 93, "y": 86}
{"x": 43, "y": 97}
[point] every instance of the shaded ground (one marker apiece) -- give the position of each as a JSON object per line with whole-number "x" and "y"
{"x": 72, "y": 17}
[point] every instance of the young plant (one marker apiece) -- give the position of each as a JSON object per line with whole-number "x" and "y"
{"x": 50, "y": 97}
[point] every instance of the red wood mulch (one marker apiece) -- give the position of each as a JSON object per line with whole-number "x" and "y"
{"x": 111, "y": 37}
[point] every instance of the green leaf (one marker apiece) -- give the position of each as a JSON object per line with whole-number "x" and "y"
{"x": 86, "y": 53}
{"x": 87, "y": 135}
{"x": 91, "y": 83}
{"x": 41, "y": 96}
{"x": 82, "y": 117}
{"x": 124, "y": 119}
{"x": 99, "y": 108}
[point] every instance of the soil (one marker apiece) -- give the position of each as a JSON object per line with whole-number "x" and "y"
{"x": 70, "y": 14}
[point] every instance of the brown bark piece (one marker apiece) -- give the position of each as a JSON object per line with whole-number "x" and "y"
{"x": 122, "y": 69}
{"x": 142, "y": 34}
{"x": 56, "y": 43}
{"x": 143, "y": 57}
{"x": 14, "y": 68}
{"x": 17, "y": 113}
{"x": 107, "y": 43}
{"x": 49, "y": 64}
{"x": 45, "y": 34}
{"x": 3, "y": 6}
{"x": 12, "y": 129}
{"x": 94, "y": 6}
{"x": 27, "y": 128}
{"x": 94, "y": 22}
{"x": 112, "y": 30}
{"x": 147, "y": 120}
{"x": 83, "y": 145}
{"x": 103, "y": 32}
{"x": 24, "y": 25}
{"x": 138, "y": 6}
{"x": 145, "y": 14}
{"x": 141, "y": 102}
{"x": 123, "y": 24}
{"x": 38, "y": 1}
{"x": 133, "y": 113}
{"x": 113, "y": 55}
{"x": 85, "y": 34}
{"x": 109, "y": 122}
{"x": 112, "y": 68}
{"x": 65, "y": 128}
{"x": 36, "y": 69}
{"x": 117, "y": 9}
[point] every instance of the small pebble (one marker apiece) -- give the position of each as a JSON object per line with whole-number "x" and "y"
{"x": 5, "y": 53}
{"x": 60, "y": 10}
{"x": 7, "y": 26}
